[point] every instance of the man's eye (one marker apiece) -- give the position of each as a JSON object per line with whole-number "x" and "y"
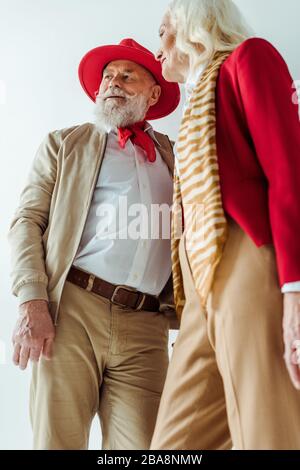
{"x": 161, "y": 34}
{"x": 107, "y": 77}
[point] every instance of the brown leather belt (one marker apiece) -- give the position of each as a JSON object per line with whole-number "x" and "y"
{"x": 119, "y": 295}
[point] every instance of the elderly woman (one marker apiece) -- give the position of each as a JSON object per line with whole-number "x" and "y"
{"x": 234, "y": 377}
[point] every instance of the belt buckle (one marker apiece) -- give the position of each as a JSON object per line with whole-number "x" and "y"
{"x": 117, "y": 288}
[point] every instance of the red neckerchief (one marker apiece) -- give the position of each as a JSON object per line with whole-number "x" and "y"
{"x": 139, "y": 137}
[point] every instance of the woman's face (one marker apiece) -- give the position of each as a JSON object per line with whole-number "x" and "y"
{"x": 175, "y": 65}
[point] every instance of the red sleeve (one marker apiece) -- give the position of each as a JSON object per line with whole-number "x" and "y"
{"x": 266, "y": 89}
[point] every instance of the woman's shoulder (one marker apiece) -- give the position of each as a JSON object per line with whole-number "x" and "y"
{"x": 254, "y": 49}
{"x": 254, "y": 53}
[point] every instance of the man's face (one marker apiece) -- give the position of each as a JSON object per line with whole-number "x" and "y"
{"x": 126, "y": 93}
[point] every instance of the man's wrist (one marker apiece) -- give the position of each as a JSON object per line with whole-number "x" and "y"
{"x": 32, "y": 291}
{"x": 34, "y": 301}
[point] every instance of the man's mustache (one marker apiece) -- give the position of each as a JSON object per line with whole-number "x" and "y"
{"x": 114, "y": 92}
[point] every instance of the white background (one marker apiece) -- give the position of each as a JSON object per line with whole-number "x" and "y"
{"x": 41, "y": 44}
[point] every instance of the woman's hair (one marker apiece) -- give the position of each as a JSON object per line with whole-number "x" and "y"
{"x": 204, "y": 27}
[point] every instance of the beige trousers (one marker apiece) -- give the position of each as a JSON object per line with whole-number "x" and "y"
{"x": 227, "y": 383}
{"x": 107, "y": 360}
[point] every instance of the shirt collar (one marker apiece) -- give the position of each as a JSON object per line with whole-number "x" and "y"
{"x": 193, "y": 79}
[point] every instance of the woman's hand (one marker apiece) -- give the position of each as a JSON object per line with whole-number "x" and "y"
{"x": 291, "y": 336}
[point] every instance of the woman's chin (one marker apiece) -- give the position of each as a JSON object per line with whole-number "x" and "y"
{"x": 169, "y": 75}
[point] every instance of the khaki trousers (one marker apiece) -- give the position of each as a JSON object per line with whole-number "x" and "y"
{"x": 227, "y": 382}
{"x": 106, "y": 360}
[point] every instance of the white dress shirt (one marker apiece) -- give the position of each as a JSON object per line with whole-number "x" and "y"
{"x": 190, "y": 84}
{"x": 142, "y": 263}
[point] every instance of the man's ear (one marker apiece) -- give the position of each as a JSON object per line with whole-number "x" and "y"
{"x": 156, "y": 92}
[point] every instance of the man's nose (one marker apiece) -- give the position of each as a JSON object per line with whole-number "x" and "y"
{"x": 114, "y": 82}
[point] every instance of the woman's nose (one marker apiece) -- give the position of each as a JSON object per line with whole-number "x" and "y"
{"x": 158, "y": 55}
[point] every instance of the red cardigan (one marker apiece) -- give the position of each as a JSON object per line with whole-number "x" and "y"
{"x": 258, "y": 143}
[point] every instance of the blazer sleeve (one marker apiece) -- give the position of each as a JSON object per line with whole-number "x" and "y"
{"x": 28, "y": 273}
{"x": 266, "y": 93}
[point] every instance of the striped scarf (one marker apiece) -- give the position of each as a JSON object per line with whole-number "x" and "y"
{"x": 197, "y": 203}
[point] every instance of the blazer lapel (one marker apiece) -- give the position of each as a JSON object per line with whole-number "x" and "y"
{"x": 166, "y": 150}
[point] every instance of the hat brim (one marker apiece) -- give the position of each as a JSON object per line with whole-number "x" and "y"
{"x": 93, "y": 63}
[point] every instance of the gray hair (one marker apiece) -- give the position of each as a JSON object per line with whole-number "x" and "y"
{"x": 212, "y": 25}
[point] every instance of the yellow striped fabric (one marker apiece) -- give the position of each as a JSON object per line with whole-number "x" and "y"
{"x": 197, "y": 192}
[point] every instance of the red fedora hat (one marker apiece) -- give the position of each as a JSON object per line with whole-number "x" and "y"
{"x": 93, "y": 63}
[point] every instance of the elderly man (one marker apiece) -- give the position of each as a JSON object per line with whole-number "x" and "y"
{"x": 90, "y": 285}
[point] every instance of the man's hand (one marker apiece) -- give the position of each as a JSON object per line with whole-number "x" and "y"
{"x": 291, "y": 336}
{"x": 33, "y": 334}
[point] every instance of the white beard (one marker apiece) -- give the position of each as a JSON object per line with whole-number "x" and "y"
{"x": 111, "y": 114}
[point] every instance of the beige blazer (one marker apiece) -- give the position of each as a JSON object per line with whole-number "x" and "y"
{"x": 47, "y": 227}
